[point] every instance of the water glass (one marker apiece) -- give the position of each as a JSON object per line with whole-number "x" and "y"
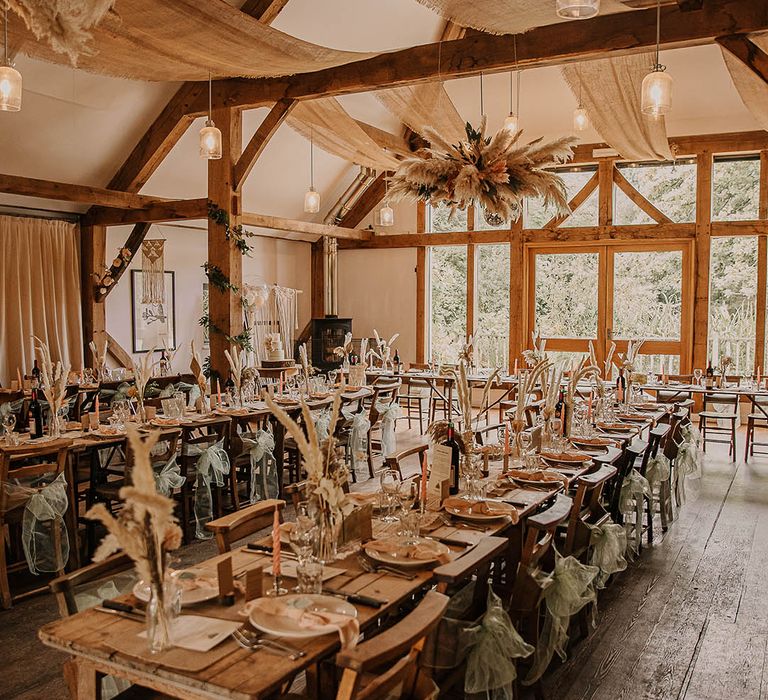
{"x": 303, "y": 534}
{"x": 389, "y": 479}
{"x": 309, "y": 577}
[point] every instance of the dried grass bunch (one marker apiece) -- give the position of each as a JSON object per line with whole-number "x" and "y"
{"x": 493, "y": 172}
{"x": 142, "y": 373}
{"x": 197, "y": 371}
{"x": 145, "y": 529}
{"x": 54, "y": 378}
{"x": 628, "y": 359}
{"x": 236, "y": 364}
{"x": 383, "y": 351}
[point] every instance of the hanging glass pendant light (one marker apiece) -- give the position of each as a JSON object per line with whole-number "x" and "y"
{"x": 656, "y": 92}
{"x": 580, "y": 118}
{"x": 210, "y": 136}
{"x": 577, "y": 9}
{"x": 386, "y": 213}
{"x": 312, "y": 197}
{"x": 10, "y": 78}
{"x": 512, "y": 122}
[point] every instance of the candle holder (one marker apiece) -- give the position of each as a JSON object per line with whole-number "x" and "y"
{"x": 276, "y": 590}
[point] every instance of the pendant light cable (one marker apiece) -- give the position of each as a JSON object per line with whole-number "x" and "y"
{"x": 311, "y": 158}
{"x": 658, "y": 29}
{"x": 210, "y": 89}
{"x": 5, "y": 34}
{"x": 482, "y": 107}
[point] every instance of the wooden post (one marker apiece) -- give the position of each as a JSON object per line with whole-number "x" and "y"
{"x": 762, "y": 267}
{"x": 318, "y": 280}
{"x": 421, "y": 302}
{"x": 605, "y": 192}
{"x": 517, "y": 285}
{"x": 93, "y": 244}
{"x": 703, "y": 244}
{"x": 471, "y": 267}
{"x": 225, "y": 310}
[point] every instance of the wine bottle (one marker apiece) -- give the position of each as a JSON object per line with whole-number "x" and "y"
{"x": 35, "y": 416}
{"x": 621, "y": 386}
{"x": 396, "y": 361}
{"x": 559, "y": 405}
{"x": 164, "y": 364}
{"x": 453, "y": 489}
{"x": 35, "y": 375}
{"x": 710, "y": 374}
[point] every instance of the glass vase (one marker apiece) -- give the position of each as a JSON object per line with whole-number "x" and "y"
{"x": 162, "y": 609}
{"x": 54, "y": 425}
{"x": 328, "y": 536}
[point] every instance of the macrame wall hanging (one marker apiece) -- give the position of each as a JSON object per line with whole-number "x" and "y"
{"x": 152, "y": 269}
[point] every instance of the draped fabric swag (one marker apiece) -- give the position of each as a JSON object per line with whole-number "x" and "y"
{"x": 610, "y": 92}
{"x": 752, "y": 90}
{"x": 40, "y": 278}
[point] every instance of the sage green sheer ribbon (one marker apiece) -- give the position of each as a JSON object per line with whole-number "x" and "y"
{"x": 44, "y": 536}
{"x": 358, "y": 436}
{"x": 609, "y": 544}
{"x": 633, "y": 489}
{"x": 112, "y": 395}
{"x": 169, "y": 477}
{"x": 569, "y": 588}
{"x": 260, "y": 447}
{"x": 170, "y": 389}
{"x": 658, "y": 470}
{"x": 495, "y": 644}
{"x": 11, "y": 407}
{"x": 211, "y": 467}
{"x": 322, "y": 423}
{"x": 389, "y": 414}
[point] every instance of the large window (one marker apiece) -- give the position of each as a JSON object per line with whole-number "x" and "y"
{"x": 735, "y": 188}
{"x": 670, "y": 187}
{"x": 448, "y": 301}
{"x": 536, "y": 215}
{"x": 566, "y": 295}
{"x": 732, "y": 301}
{"x": 492, "y": 305}
{"x": 440, "y": 219}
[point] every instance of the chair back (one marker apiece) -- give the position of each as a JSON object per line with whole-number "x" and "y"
{"x": 243, "y": 523}
{"x": 633, "y": 457}
{"x": 393, "y": 656}
{"x": 49, "y": 458}
{"x": 719, "y": 399}
{"x": 587, "y": 510}
{"x": 396, "y": 461}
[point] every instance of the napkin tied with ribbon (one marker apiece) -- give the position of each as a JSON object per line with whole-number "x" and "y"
{"x": 425, "y": 550}
{"x": 491, "y": 508}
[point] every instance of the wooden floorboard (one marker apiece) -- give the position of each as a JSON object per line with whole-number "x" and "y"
{"x": 689, "y": 619}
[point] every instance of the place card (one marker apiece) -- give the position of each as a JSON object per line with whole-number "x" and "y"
{"x": 441, "y": 467}
{"x": 254, "y": 583}
{"x": 226, "y": 580}
{"x": 358, "y": 525}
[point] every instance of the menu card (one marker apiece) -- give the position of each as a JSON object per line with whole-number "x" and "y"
{"x": 441, "y": 468}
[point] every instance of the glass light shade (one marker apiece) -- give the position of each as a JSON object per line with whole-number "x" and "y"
{"x": 577, "y": 9}
{"x": 656, "y": 93}
{"x": 386, "y": 215}
{"x": 512, "y": 123}
{"x": 312, "y": 201}
{"x": 10, "y": 89}
{"x": 210, "y": 141}
{"x": 580, "y": 119}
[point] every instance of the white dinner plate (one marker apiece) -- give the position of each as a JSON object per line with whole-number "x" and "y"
{"x": 406, "y": 562}
{"x": 286, "y": 627}
{"x": 195, "y": 588}
{"x": 474, "y": 517}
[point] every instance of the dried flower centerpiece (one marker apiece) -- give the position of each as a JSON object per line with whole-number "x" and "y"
{"x": 537, "y": 354}
{"x": 626, "y": 365}
{"x": 146, "y": 530}
{"x": 54, "y": 380}
{"x": 493, "y": 172}
{"x": 326, "y": 471}
{"x": 583, "y": 371}
{"x": 726, "y": 362}
{"x": 142, "y": 373}
{"x": 525, "y": 388}
{"x": 344, "y": 350}
{"x": 236, "y": 366}
{"x": 384, "y": 349}
{"x": 99, "y": 352}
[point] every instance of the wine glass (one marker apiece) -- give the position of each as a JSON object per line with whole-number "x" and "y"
{"x": 9, "y": 424}
{"x": 697, "y": 375}
{"x": 332, "y": 377}
{"x": 409, "y": 518}
{"x": 303, "y": 534}
{"x": 555, "y": 430}
{"x": 389, "y": 480}
{"x": 526, "y": 441}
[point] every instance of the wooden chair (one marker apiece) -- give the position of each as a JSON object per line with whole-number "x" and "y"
{"x": 438, "y": 399}
{"x": 756, "y": 420}
{"x": 587, "y": 511}
{"x": 202, "y": 435}
{"x": 240, "y": 461}
{"x": 657, "y": 440}
{"x": 396, "y": 461}
{"x": 634, "y": 458}
{"x": 383, "y": 393}
{"x": 387, "y": 666}
{"x": 729, "y": 416}
{"x": 29, "y": 463}
{"x": 243, "y": 523}
{"x": 417, "y": 391}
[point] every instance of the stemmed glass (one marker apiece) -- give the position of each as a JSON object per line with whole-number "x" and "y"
{"x": 332, "y": 377}
{"x": 409, "y": 518}
{"x": 555, "y": 430}
{"x": 697, "y": 375}
{"x": 303, "y": 534}
{"x": 121, "y": 412}
{"x": 389, "y": 480}
{"x": 526, "y": 442}
{"x": 9, "y": 423}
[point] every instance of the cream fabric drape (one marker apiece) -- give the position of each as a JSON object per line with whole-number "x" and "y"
{"x": 184, "y": 40}
{"x": 40, "y": 293}
{"x": 610, "y": 92}
{"x": 333, "y": 130}
{"x": 752, "y": 90}
{"x": 508, "y": 16}
{"x": 427, "y": 104}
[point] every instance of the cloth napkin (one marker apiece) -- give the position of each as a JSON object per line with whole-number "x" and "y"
{"x": 348, "y": 627}
{"x": 565, "y": 456}
{"x": 425, "y": 550}
{"x": 541, "y": 475}
{"x": 495, "y": 508}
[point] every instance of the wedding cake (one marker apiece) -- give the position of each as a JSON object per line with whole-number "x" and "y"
{"x": 274, "y": 348}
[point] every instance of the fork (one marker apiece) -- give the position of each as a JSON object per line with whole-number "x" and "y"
{"x": 460, "y": 525}
{"x": 257, "y": 638}
{"x": 253, "y": 645}
{"x": 365, "y": 565}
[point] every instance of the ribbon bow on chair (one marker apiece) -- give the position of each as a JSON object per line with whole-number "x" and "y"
{"x": 44, "y": 535}
{"x": 658, "y": 469}
{"x": 633, "y": 489}
{"x": 169, "y": 477}
{"x": 323, "y": 425}
{"x": 389, "y": 414}
{"x": 358, "y": 437}
{"x": 211, "y": 467}
{"x": 609, "y": 544}
{"x": 260, "y": 447}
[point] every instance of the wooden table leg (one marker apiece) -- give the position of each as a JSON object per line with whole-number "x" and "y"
{"x": 85, "y": 678}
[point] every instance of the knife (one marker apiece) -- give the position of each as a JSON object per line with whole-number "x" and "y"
{"x": 356, "y": 598}
{"x": 451, "y": 541}
{"x": 134, "y": 616}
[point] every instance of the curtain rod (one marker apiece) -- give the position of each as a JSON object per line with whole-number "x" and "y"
{"x": 32, "y": 213}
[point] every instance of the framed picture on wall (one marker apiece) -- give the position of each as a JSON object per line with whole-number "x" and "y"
{"x": 153, "y": 325}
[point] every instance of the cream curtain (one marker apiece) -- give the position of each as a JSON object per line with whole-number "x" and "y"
{"x": 40, "y": 277}
{"x": 610, "y": 92}
{"x": 752, "y": 90}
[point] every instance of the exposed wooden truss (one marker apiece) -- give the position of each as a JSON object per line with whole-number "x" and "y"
{"x": 576, "y": 201}
{"x": 749, "y": 53}
{"x": 628, "y": 189}
{"x": 173, "y": 210}
{"x": 371, "y": 196}
{"x": 132, "y": 243}
{"x": 306, "y": 228}
{"x": 485, "y": 53}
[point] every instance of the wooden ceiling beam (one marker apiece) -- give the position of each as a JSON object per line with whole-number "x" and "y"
{"x": 365, "y": 203}
{"x": 608, "y": 35}
{"x": 303, "y": 227}
{"x": 132, "y": 243}
{"x": 67, "y": 192}
{"x": 265, "y": 11}
{"x": 171, "y": 210}
{"x": 255, "y": 147}
{"x": 749, "y": 53}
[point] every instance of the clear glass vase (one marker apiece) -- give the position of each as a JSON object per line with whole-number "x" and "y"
{"x": 328, "y": 536}
{"x": 162, "y": 609}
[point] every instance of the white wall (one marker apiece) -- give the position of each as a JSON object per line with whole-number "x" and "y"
{"x": 377, "y": 289}
{"x": 272, "y": 261}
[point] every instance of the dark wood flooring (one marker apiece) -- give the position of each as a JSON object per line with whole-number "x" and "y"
{"x": 688, "y": 619}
